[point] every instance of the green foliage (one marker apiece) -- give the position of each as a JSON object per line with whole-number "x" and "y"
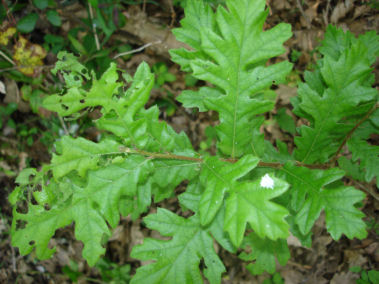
{"x": 41, "y": 4}
{"x": 264, "y": 251}
{"x": 54, "y": 18}
{"x": 100, "y": 197}
{"x": 336, "y": 95}
{"x": 27, "y": 23}
{"x": 310, "y": 195}
{"x": 113, "y": 273}
{"x": 162, "y": 74}
{"x": 231, "y": 51}
{"x": 6, "y": 111}
{"x": 190, "y": 244}
{"x": 367, "y": 277}
{"x": 249, "y": 195}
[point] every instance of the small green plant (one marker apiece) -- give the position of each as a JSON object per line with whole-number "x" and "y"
{"x": 44, "y": 7}
{"x": 367, "y": 277}
{"x": 5, "y": 112}
{"x": 250, "y": 195}
{"x": 113, "y": 273}
{"x": 162, "y": 74}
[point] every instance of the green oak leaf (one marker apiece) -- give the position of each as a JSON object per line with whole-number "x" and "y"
{"x": 230, "y": 50}
{"x": 249, "y": 202}
{"x": 368, "y": 156}
{"x": 219, "y": 177}
{"x": 342, "y": 217}
{"x": 177, "y": 260}
{"x": 263, "y": 252}
{"x": 310, "y": 196}
{"x": 339, "y": 89}
{"x": 191, "y": 200}
{"x": 107, "y": 185}
{"x": 81, "y": 155}
{"x": 40, "y": 225}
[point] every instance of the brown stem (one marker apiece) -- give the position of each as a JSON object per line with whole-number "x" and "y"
{"x": 153, "y": 155}
{"x": 348, "y": 136}
{"x": 170, "y": 156}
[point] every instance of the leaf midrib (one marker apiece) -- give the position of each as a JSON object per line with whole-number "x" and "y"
{"x": 238, "y": 84}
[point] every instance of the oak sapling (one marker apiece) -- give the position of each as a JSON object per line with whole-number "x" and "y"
{"x": 250, "y": 195}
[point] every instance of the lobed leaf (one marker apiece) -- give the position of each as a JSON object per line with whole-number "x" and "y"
{"x": 93, "y": 183}
{"x": 219, "y": 177}
{"x": 230, "y": 51}
{"x": 365, "y": 156}
{"x": 177, "y": 260}
{"x": 81, "y": 155}
{"x": 263, "y": 252}
{"x": 339, "y": 89}
{"x": 249, "y": 202}
{"x": 310, "y": 195}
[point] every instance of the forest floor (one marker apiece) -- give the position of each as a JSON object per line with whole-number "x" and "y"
{"x": 150, "y": 23}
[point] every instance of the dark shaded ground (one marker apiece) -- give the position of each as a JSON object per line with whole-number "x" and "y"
{"x": 326, "y": 262}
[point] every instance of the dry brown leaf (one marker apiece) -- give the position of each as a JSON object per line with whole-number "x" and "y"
{"x": 280, "y": 4}
{"x": 354, "y": 258}
{"x": 341, "y": 10}
{"x": 285, "y": 93}
{"x": 292, "y": 276}
{"x": 344, "y": 277}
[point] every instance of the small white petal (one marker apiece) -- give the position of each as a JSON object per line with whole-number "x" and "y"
{"x": 267, "y": 182}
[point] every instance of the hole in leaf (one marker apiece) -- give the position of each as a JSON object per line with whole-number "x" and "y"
{"x": 22, "y": 207}
{"x": 202, "y": 264}
{"x": 65, "y": 107}
{"x": 47, "y": 207}
{"x": 84, "y": 71}
{"x": 33, "y": 200}
{"x": 20, "y": 224}
{"x": 32, "y": 243}
{"x": 82, "y": 101}
{"x": 64, "y": 58}
{"x": 62, "y": 92}
{"x": 76, "y": 78}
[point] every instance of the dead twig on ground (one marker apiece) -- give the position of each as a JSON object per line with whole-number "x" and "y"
{"x": 63, "y": 125}
{"x": 308, "y": 23}
{"x": 7, "y": 58}
{"x": 94, "y": 27}
{"x": 137, "y": 49}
